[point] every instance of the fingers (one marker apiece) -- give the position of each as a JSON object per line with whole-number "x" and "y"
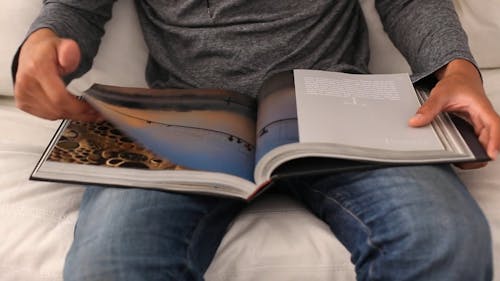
{"x": 68, "y": 56}
{"x": 471, "y": 165}
{"x": 493, "y": 142}
{"x": 39, "y": 88}
{"x": 35, "y": 101}
{"x": 486, "y": 123}
{"x": 427, "y": 112}
{"x": 466, "y": 101}
{"x": 60, "y": 100}
{"x": 489, "y": 138}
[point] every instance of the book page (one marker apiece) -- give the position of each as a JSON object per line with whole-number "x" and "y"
{"x": 101, "y": 144}
{"x": 207, "y": 130}
{"x": 277, "y": 114}
{"x": 360, "y": 110}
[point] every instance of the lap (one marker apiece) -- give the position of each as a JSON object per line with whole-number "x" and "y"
{"x": 371, "y": 212}
{"x": 384, "y": 189}
{"x": 127, "y": 230}
{"x": 400, "y": 214}
{"x": 385, "y": 199}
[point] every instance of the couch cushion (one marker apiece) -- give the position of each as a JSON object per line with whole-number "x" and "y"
{"x": 276, "y": 238}
{"x": 14, "y": 22}
{"x": 491, "y": 78}
{"x": 381, "y": 48}
{"x": 37, "y": 218}
{"x": 115, "y": 64}
{"x": 481, "y": 21}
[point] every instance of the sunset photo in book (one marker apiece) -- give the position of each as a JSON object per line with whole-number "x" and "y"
{"x": 302, "y": 122}
{"x": 207, "y": 130}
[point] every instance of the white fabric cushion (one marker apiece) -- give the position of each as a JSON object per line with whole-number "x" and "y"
{"x": 275, "y": 238}
{"x": 481, "y": 21}
{"x": 15, "y": 19}
{"x": 122, "y": 56}
{"x": 479, "y": 18}
{"x": 37, "y": 218}
{"x": 384, "y": 57}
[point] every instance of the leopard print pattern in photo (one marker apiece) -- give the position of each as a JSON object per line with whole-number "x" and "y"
{"x": 101, "y": 144}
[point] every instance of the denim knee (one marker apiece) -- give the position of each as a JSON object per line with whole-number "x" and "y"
{"x": 95, "y": 263}
{"x": 127, "y": 234}
{"x": 405, "y": 223}
{"x": 451, "y": 244}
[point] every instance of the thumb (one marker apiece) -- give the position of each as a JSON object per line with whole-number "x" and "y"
{"x": 427, "y": 112}
{"x": 68, "y": 56}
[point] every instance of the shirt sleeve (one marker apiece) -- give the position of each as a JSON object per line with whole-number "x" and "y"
{"x": 82, "y": 21}
{"x": 427, "y": 32}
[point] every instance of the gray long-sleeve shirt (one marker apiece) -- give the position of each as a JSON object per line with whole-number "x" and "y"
{"x": 235, "y": 44}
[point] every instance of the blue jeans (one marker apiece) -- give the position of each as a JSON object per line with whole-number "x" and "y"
{"x": 404, "y": 223}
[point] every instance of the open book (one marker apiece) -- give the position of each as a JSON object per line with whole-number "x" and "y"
{"x": 220, "y": 142}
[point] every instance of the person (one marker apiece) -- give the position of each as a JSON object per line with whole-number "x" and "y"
{"x": 399, "y": 223}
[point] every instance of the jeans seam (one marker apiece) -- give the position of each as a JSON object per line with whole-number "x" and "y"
{"x": 189, "y": 264}
{"x": 365, "y": 227}
{"x": 194, "y": 233}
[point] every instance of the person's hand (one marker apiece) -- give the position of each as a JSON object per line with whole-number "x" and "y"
{"x": 39, "y": 89}
{"x": 460, "y": 90}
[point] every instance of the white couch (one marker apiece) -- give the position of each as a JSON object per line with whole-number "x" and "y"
{"x": 274, "y": 239}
